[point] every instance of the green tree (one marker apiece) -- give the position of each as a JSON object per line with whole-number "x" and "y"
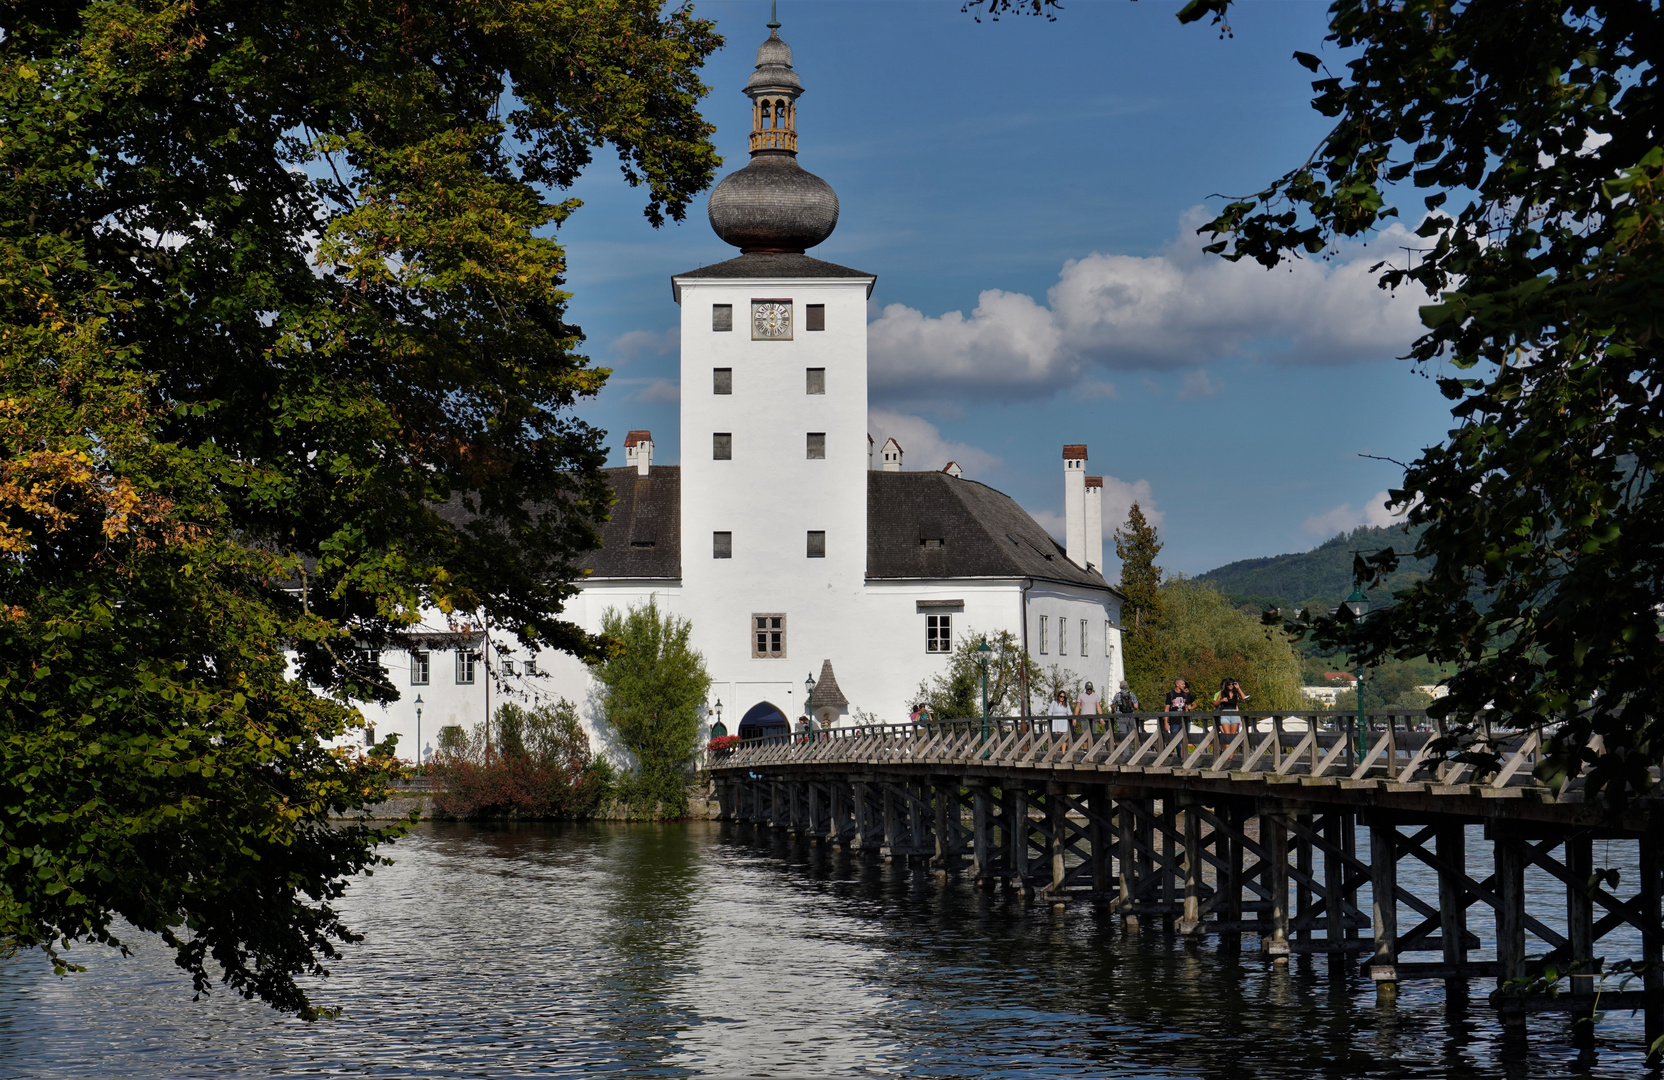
{"x": 541, "y": 767}
{"x": 956, "y": 693}
{"x": 653, "y": 685}
{"x": 1137, "y": 545}
{"x": 1203, "y": 639}
{"x": 1543, "y": 512}
{"x": 283, "y": 360}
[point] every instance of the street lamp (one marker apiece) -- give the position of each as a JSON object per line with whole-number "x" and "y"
{"x": 982, "y": 654}
{"x": 809, "y": 705}
{"x": 1358, "y": 605}
{"x": 717, "y": 730}
{"x": 418, "y": 733}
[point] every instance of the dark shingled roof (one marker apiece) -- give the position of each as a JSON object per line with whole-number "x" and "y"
{"x": 934, "y": 525}
{"x": 772, "y": 265}
{"x": 827, "y": 695}
{"x": 644, "y": 537}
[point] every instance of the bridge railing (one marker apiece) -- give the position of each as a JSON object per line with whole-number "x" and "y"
{"x": 1391, "y": 745}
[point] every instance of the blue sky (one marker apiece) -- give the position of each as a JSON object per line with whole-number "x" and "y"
{"x": 1027, "y": 192}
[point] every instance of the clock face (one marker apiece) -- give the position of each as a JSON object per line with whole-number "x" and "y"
{"x": 771, "y": 320}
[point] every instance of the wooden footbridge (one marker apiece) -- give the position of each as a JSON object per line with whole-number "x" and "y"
{"x": 1205, "y": 824}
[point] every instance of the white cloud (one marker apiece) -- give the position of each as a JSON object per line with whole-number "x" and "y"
{"x": 923, "y": 447}
{"x": 1179, "y": 309}
{"x": 1344, "y": 519}
{"x": 635, "y": 344}
{"x": 1198, "y": 385}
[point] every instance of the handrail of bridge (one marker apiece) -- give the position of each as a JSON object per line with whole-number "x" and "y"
{"x": 1391, "y": 746}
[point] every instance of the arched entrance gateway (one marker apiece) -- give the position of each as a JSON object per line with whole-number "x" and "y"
{"x": 763, "y": 720}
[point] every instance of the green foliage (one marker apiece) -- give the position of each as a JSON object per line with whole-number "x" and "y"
{"x": 1542, "y": 513}
{"x": 1321, "y": 576}
{"x": 956, "y": 693}
{"x": 1137, "y": 545}
{"x": 539, "y": 767}
{"x": 276, "y": 285}
{"x": 653, "y": 685}
{"x": 1203, "y": 639}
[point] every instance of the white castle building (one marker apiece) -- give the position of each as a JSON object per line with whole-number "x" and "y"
{"x": 792, "y": 554}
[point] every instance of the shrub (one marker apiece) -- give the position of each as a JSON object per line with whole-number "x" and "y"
{"x": 541, "y": 767}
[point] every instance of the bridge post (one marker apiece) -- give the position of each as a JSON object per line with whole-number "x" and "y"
{"x": 1274, "y": 838}
{"x": 1652, "y": 944}
{"x": 920, "y": 792}
{"x": 943, "y": 798}
{"x": 1128, "y": 857}
{"x": 1304, "y": 863}
{"x": 1169, "y": 859}
{"x": 1510, "y": 923}
{"x": 1230, "y": 906}
{"x": 1450, "y": 844}
{"x": 835, "y": 812}
{"x": 982, "y": 834}
{"x": 1016, "y": 835}
{"x": 1334, "y": 886}
{"x": 892, "y": 822}
{"x": 1099, "y": 810}
{"x": 863, "y": 817}
{"x": 1057, "y": 825}
{"x": 1191, "y": 923}
{"x": 1383, "y": 887}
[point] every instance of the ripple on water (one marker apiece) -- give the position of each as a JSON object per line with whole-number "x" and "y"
{"x": 703, "y": 950}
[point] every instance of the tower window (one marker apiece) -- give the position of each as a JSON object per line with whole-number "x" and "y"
{"x": 817, "y": 544}
{"x": 814, "y": 380}
{"x": 722, "y": 545}
{"x": 938, "y": 633}
{"x": 722, "y": 446}
{"x": 722, "y": 380}
{"x": 768, "y": 637}
{"x": 722, "y": 317}
{"x": 817, "y": 445}
{"x": 814, "y": 316}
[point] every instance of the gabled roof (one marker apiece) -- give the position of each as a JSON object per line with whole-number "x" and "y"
{"x": 635, "y": 438}
{"x": 935, "y": 525}
{"x": 644, "y": 537}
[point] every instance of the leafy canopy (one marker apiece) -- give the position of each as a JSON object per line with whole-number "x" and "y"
{"x": 283, "y": 361}
{"x": 956, "y": 692}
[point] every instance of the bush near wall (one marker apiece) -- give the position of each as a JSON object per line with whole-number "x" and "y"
{"x": 532, "y": 764}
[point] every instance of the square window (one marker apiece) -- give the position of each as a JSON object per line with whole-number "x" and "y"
{"x": 722, "y": 545}
{"x": 814, "y": 316}
{"x": 817, "y": 544}
{"x": 817, "y": 446}
{"x": 768, "y": 637}
{"x": 771, "y": 320}
{"x": 419, "y": 668}
{"x": 815, "y": 380}
{"x": 722, "y": 380}
{"x": 722, "y": 317}
{"x": 531, "y": 667}
{"x": 722, "y": 446}
{"x": 465, "y": 661}
{"x": 1042, "y": 635}
{"x": 938, "y": 633}
{"x": 508, "y": 667}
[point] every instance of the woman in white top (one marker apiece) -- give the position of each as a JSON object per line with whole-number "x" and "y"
{"x": 1060, "y": 713}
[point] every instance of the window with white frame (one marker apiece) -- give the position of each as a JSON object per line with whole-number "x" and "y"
{"x": 1043, "y": 622}
{"x": 1084, "y": 651}
{"x": 465, "y": 663}
{"x": 768, "y": 636}
{"x": 530, "y": 667}
{"x": 508, "y": 667}
{"x": 938, "y": 633}
{"x": 419, "y": 667}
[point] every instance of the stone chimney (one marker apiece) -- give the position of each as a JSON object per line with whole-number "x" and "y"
{"x": 638, "y": 451}
{"x": 1095, "y": 523}
{"x": 1074, "y": 502}
{"x": 891, "y": 454}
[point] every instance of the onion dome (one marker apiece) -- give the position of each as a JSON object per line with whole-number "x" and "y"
{"x": 773, "y": 204}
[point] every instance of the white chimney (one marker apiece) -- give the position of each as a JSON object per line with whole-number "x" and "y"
{"x": 638, "y": 451}
{"x": 891, "y": 455}
{"x": 1095, "y": 523}
{"x": 1074, "y": 503}
{"x": 952, "y": 469}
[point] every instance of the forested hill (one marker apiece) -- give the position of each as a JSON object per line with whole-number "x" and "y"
{"x": 1323, "y": 574}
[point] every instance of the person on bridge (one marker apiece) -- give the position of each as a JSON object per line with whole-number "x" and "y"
{"x": 1229, "y": 700}
{"x": 1125, "y": 701}
{"x": 1060, "y": 713}
{"x": 1087, "y": 706}
{"x": 1179, "y": 699}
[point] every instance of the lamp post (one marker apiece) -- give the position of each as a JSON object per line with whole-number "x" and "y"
{"x": 809, "y": 706}
{"x": 717, "y": 730}
{"x": 418, "y": 733}
{"x": 1358, "y": 605}
{"x": 982, "y": 653}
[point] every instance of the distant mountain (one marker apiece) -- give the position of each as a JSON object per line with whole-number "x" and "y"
{"x": 1323, "y": 574}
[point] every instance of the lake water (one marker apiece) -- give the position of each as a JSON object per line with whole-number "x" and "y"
{"x": 709, "y": 949}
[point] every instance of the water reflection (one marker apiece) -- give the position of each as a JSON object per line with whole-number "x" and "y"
{"x": 699, "y": 950}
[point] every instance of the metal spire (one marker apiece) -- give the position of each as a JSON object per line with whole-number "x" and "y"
{"x": 774, "y": 15}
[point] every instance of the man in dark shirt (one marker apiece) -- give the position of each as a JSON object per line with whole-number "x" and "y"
{"x": 1179, "y": 699}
